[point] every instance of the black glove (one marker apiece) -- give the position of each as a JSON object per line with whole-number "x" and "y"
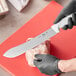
{"x": 69, "y": 9}
{"x": 47, "y": 64}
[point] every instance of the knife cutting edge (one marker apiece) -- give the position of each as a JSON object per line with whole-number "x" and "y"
{"x": 19, "y": 50}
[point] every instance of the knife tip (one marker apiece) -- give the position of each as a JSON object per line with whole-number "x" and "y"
{"x": 5, "y": 55}
{"x": 8, "y": 56}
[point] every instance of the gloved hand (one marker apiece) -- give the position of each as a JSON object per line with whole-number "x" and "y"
{"x": 47, "y": 64}
{"x": 69, "y": 9}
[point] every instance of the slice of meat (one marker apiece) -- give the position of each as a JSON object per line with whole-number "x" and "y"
{"x": 43, "y": 48}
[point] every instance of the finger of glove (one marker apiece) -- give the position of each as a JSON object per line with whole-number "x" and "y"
{"x": 36, "y": 63}
{"x": 67, "y": 10}
{"x": 59, "y": 18}
{"x": 39, "y": 56}
{"x": 70, "y": 23}
{"x": 74, "y": 18}
{"x": 65, "y": 27}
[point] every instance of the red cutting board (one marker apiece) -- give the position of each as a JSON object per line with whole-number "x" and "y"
{"x": 63, "y": 45}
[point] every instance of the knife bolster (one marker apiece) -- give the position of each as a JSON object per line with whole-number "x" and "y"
{"x": 55, "y": 27}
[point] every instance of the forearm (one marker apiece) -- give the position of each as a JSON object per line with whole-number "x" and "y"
{"x": 67, "y": 65}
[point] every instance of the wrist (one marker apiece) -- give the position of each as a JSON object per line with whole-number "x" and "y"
{"x": 63, "y": 65}
{"x": 60, "y": 65}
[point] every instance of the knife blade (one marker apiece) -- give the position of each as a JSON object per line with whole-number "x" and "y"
{"x": 19, "y": 50}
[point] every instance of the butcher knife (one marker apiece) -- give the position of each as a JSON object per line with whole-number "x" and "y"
{"x": 53, "y": 30}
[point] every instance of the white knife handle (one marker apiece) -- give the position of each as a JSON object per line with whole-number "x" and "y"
{"x": 61, "y": 24}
